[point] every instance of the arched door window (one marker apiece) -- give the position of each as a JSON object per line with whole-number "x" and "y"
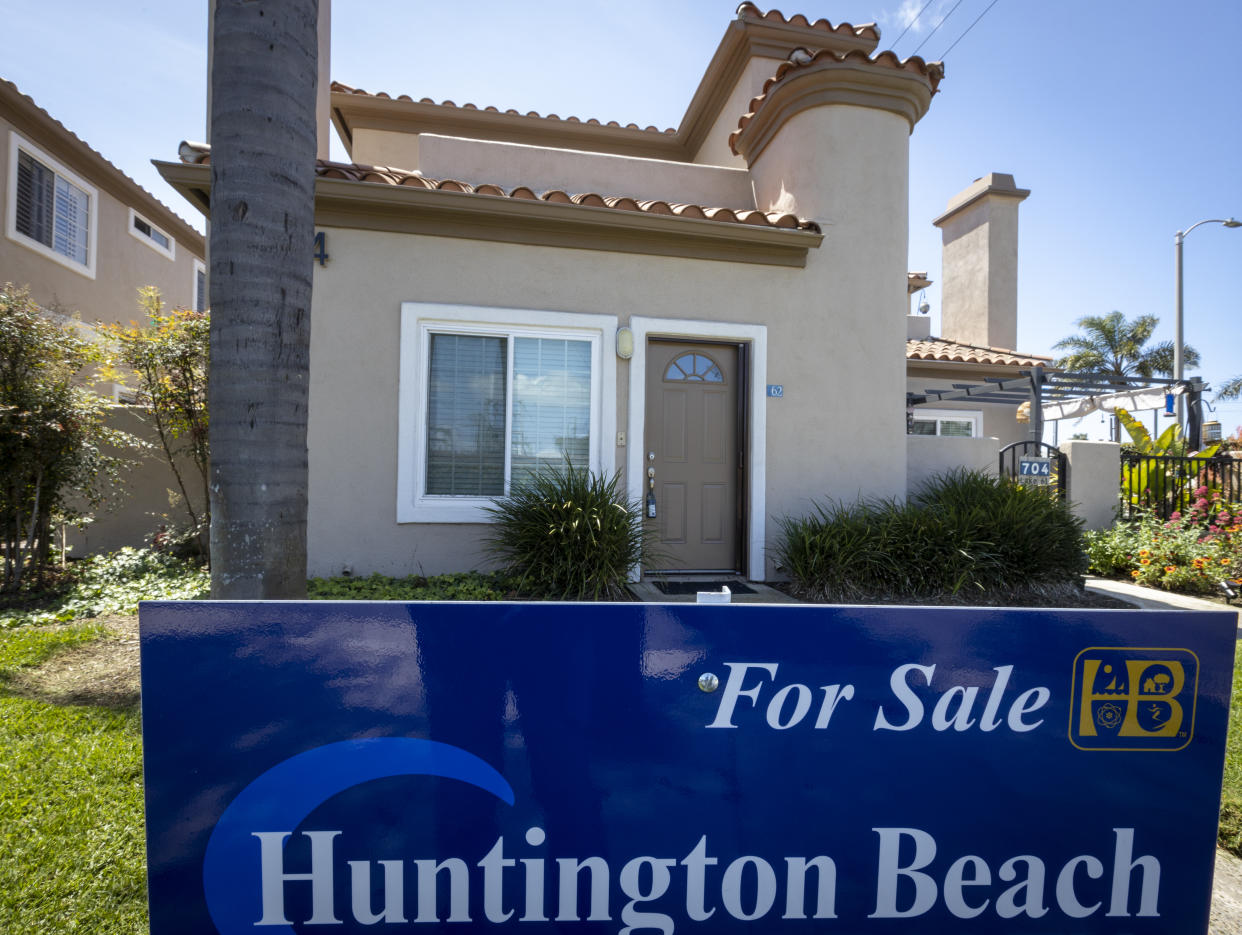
{"x": 693, "y": 367}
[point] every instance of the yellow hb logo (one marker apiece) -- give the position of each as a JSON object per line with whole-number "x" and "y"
{"x": 1133, "y": 698}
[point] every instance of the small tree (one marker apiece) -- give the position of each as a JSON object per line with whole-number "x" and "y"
{"x": 53, "y": 439}
{"x": 166, "y": 363}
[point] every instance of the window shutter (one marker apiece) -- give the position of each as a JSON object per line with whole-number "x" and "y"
{"x": 35, "y": 198}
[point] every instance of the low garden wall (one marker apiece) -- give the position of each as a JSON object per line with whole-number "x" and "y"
{"x": 137, "y": 507}
{"x": 928, "y": 455}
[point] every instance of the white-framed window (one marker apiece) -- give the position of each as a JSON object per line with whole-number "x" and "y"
{"x": 200, "y": 286}
{"x": 51, "y": 210}
{"x": 949, "y": 423}
{"x": 490, "y": 396}
{"x": 151, "y": 235}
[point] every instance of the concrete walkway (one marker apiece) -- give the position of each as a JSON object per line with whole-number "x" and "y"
{"x": 1151, "y": 599}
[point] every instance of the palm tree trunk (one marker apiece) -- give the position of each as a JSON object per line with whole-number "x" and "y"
{"x": 263, "y": 84}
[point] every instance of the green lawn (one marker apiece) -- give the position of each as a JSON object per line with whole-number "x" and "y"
{"x": 1230, "y": 834}
{"x": 72, "y": 856}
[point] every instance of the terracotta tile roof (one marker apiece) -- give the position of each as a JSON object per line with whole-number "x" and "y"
{"x": 751, "y": 12}
{"x": 951, "y": 352}
{"x": 932, "y": 72}
{"x": 11, "y": 90}
{"x": 200, "y": 154}
{"x": 346, "y": 89}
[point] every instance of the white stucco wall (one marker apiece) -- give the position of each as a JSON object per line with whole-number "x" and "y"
{"x": 1094, "y": 480}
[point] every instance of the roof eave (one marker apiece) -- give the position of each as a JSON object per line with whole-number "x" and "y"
{"x": 416, "y": 210}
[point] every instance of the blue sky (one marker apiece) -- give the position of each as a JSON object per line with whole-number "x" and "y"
{"x": 1123, "y": 117}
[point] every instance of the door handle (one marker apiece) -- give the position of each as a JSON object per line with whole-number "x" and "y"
{"x": 651, "y": 500}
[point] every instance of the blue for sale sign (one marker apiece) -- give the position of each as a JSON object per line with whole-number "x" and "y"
{"x": 629, "y": 768}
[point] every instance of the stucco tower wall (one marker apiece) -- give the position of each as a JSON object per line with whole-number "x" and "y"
{"x": 979, "y": 286}
{"x": 847, "y": 167}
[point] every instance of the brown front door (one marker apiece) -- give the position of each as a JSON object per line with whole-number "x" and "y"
{"x": 691, "y": 444}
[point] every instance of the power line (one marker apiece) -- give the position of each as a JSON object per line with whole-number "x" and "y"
{"x": 968, "y": 29}
{"x": 911, "y": 23}
{"x": 937, "y": 27}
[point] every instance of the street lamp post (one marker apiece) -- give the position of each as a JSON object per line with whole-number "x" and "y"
{"x": 1178, "y": 238}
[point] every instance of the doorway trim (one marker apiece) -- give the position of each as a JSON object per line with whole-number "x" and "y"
{"x": 756, "y": 337}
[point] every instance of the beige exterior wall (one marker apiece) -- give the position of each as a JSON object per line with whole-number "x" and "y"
{"x": 715, "y": 147}
{"x": 386, "y": 148}
{"x": 513, "y": 164}
{"x": 931, "y": 456}
{"x": 137, "y": 507}
{"x": 123, "y": 262}
{"x": 813, "y": 450}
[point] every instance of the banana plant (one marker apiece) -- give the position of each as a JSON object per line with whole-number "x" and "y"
{"x": 1152, "y": 480}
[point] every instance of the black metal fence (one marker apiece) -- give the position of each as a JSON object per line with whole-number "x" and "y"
{"x": 1165, "y": 484}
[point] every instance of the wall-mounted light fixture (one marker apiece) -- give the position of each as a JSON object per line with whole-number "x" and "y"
{"x": 625, "y": 343}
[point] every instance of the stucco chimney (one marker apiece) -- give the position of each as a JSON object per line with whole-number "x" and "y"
{"x": 979, "y": 286}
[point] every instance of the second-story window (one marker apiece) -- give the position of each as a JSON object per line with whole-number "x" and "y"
{"x": 53, "y": 210}
{"x": 151, "y": 235}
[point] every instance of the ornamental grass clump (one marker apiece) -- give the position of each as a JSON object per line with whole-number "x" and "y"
{"x": 965, "y": 536}
{"x": 567, "y": 534}
{"x": 1197, "y": 551}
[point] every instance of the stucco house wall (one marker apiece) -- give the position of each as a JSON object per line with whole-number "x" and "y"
{"x": 122, "y": 260}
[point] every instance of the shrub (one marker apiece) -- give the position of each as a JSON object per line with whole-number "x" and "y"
{"x": 53, "y": 438}
{"x": 114, "y": 584}
{"x": 463, "y": 586}
{"x": 568, "y": 534}
{"x": 964, "y": 536}
{"x": 1195, "y": 551}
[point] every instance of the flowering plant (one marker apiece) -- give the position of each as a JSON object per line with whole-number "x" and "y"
{"x": 1197, "y": 550}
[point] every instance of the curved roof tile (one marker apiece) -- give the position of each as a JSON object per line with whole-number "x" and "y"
{"x": 748, "y": 10}
{"x": 939, "y": 349}
{"x": 932, "y": 72}
{"x": 383, "y": 95}
{"x": 200, "y": 154}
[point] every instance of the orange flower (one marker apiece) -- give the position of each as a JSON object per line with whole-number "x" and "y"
{"x": 1144, "y": 561}
{"x": 1135, "y": 573}
{"x": 1169, "y": 569}
{"x": 1144, "y": 552}
{"x": 1199, "y": 562}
